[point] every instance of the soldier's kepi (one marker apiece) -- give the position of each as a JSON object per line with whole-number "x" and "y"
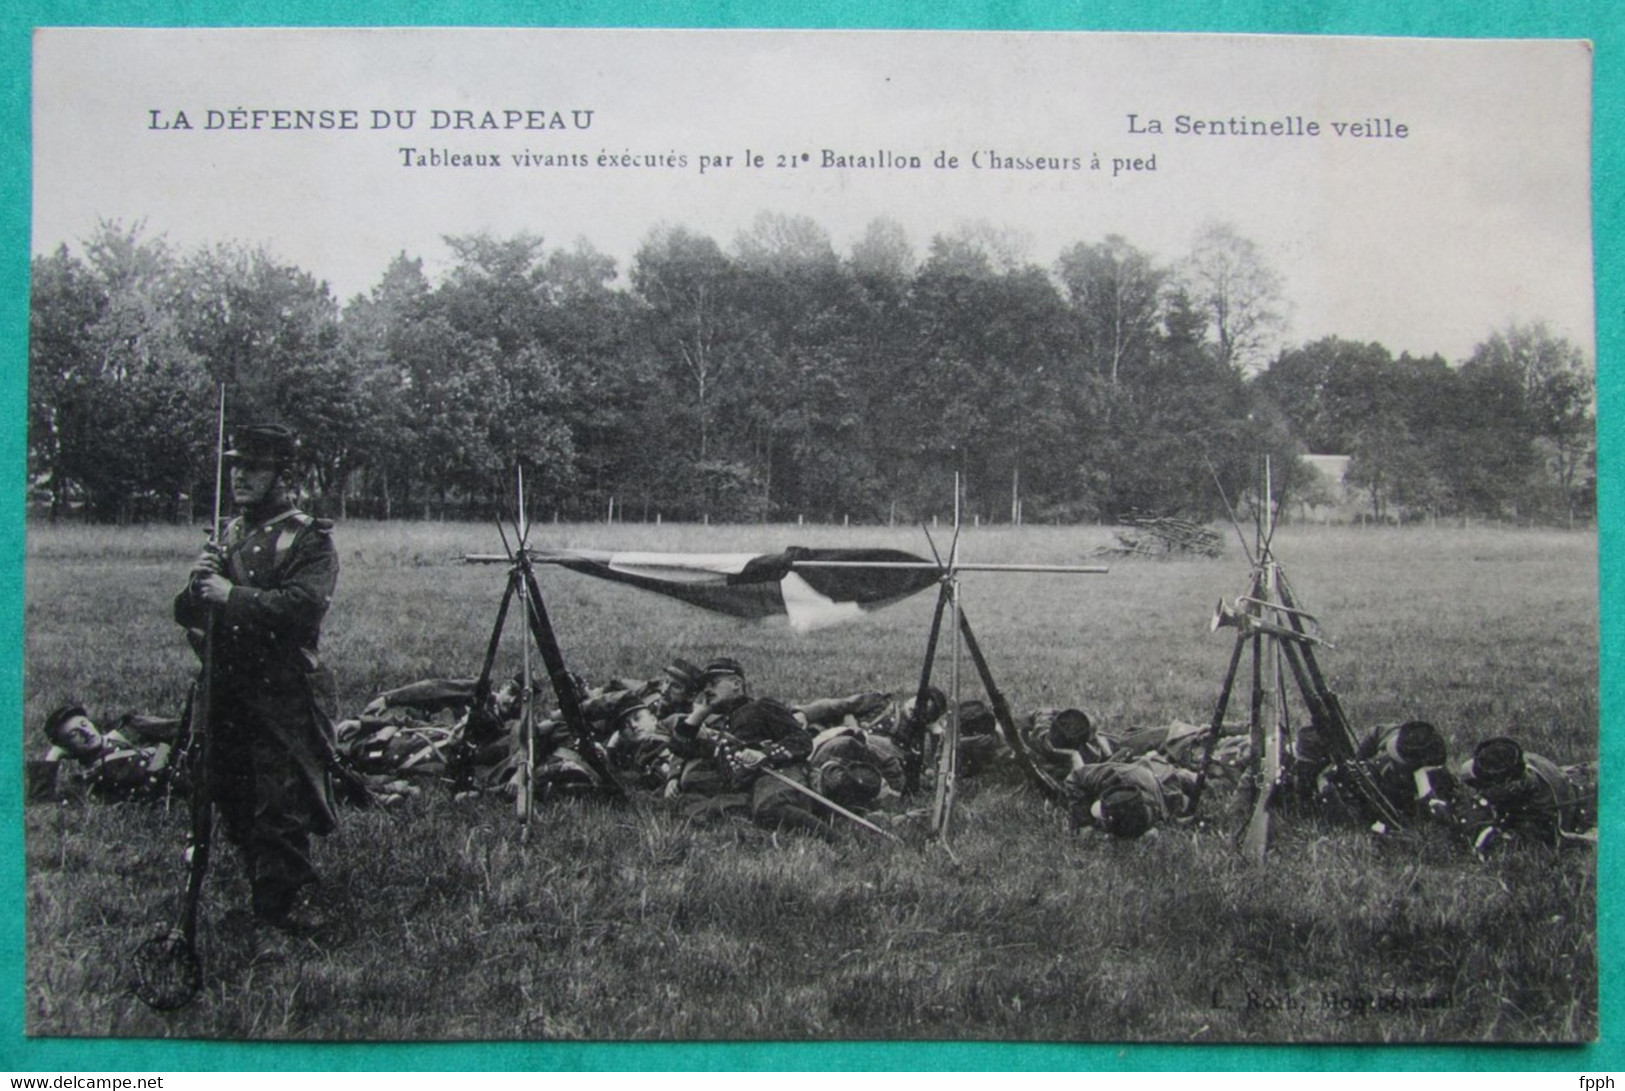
{"x": 269, "y": 579}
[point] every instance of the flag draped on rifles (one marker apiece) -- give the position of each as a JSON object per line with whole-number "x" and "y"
{"x": 813, "y": 588}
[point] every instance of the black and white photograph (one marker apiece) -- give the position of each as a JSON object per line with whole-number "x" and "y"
{"x": 726, "y": 535}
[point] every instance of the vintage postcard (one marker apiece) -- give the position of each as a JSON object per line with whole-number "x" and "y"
{"x": 713, "y": 535}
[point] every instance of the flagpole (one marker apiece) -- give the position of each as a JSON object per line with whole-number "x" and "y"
{"x": 926, "y": 566}
{"x": 1094, "y": 569}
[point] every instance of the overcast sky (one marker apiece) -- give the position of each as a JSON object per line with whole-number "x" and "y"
{"x": 1478, "y": 216}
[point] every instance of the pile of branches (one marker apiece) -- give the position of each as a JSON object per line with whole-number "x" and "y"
{"x": 1164, "y": 536}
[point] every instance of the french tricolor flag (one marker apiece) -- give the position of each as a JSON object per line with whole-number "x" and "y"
{"x": 813, "y": 588}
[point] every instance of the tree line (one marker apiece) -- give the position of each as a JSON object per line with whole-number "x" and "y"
{"x": 772, "y": 378}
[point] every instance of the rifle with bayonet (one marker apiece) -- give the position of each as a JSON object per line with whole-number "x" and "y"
{"x": 168, "y": 971}
{"x": 717, "y": 737}
{"x": 1326, "y": 712}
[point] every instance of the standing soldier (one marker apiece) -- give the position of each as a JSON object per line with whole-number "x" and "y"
{"x": 269, "y": 580}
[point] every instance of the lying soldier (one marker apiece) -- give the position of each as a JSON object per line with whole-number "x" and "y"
{"x": 1127, "y": 798}
{"x": 1407, "y": 763}
{"x": 671, "y": 693}
{"x": 565, "y": 760}
{"x": 850, "y": 769}
{"x": 981, "y": 748}
{"x": 730, "y": 738}
{"x": 110, "y": 765}
{"x": 891, "y": 737}
{"x": 640, "y": 745}
{"x": 1183, "y": 743}
{"x": 1054, "y": 735}
{"x": 432, "y": 730}
{"x": 1531, "y": 799}
{"x": 420, "y": 732}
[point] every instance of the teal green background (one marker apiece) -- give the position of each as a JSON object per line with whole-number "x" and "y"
{"x": 1601, "y": 21}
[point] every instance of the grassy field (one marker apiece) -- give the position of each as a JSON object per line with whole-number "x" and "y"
{"x": 635, "y": 923}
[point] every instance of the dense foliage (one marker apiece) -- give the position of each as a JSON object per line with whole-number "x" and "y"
{"x": 773, "y": 378}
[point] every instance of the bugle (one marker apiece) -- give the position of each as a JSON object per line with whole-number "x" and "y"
{"x": 1226, "y": 616}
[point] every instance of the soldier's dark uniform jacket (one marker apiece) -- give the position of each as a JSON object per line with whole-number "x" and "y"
{"x": 762, "y": 725}
{"x": 641, "y": 752}
{"x": 1183, "y": 743}
{"x": 139, "y": 760}
{"x": 646, "y": 759}
{"x": 1530, "y": 796}
{"x": 1408, "y": 762}
{"x": 889, "y": 732}
{"x": 767, "y": 727}
{"x": 384, "y": 754}
{"x": 1162, "y": 788}
{"x": 273, "y": 700}
{"x": 850, "y": 766}
{"x": 123, "y": 770}
{"x": 1050, "y": 733}
{"x": 1405, "y": 763}
{"x": 854, "y": 710}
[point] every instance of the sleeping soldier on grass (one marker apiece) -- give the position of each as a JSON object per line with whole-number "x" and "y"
{"x": 268, "y": 582}
{"x": 622, "y": 727}
{"x": 981, "y": 748}
{"x": 426, "y": 731}
{"x": 730, "y": 737}
{"x": 1530, "y": 798}
{"x": 1183, "y": 743}
{"x": 1053, "y": 736}
{"x": 1408, "y": 763}
{"x": 1127, "y": 798}
{"x": 133, "y": 760}
{"x": 855, "y": 768}
{"x": 640, "y": 747}
{"x": 889, "y": 733}
{"x": 492, "y": 746}
{"x": 623, "y": 733}
{"x": 671, "y": 693}
{"x": 416, "y": 734}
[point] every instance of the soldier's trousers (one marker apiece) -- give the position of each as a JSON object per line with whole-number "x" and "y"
{"x": 775, "y": 803}
{"x": 771, "y": 801}
{"x": 268, "y": 810}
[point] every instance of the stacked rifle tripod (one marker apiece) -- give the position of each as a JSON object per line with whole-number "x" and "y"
{"x": 537, "y": 638}
{"x": 1279, "y": 635}
{"x": 946, "y": 757}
